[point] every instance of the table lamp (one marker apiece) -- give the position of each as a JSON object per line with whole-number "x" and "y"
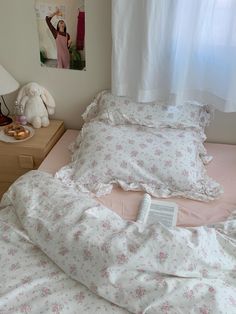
{"x": 7, "y": 85}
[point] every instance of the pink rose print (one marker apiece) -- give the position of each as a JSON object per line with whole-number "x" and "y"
{"x": 232, "y": 300}
{"x": 178, "y": 154}
{"x": 79, "y": 297}
{"x": 39, "y": 226}
{"x": 131, "y": 142}
{"x": 181, "y": 135}
{"x": 168, "y": 163}
{"x": 185, "y": 173}
{"x": 107, "y": 157}
{"x": 122, "y": 259}
{"x": 119, "y": 147}
{"x": 106, "y": 224}
{"x": 109, "y": 138}
{"x": 26, "y": 279}
{"x": 158, "y": 152}
{"x": 14, "y": 266}
{"x": 43, "y": 263}
{"x": 77, "y": 235}
{"x": 56, "y": 308}
{"x": 94, "y": 163}
{"x": 25, "y": 308}
{"x": 160, "y": 280}
{"x": 93, "y": 288}
{"x": 154, "y": 169}
{"x": 6, "y": 228}
{"x": 56, "y": 217}
{"x": 12, "y": 252}
{"x": 142, "y": 145}
{"x": 204, "y": 310}
{"x": 99, "y": 148}
{"x": 105, "y": 247}
{"x": 73, "y": 270}
{"x": 133, "y": 248}
{"x": 63, "y": 251}
{"x": 162, "y": 256}
{"x": 166, "y": 307}
{"x": 105, "y": 273}
{"x": 204, "y": 272}
{"x": 140, "y": 292}
{"x": 211, "y": 289}
{"x": 109, "y": 172}
{"x": 124, "y": 164}
{"x": 189, "y": 294}
{"x": 45, "y": 292}
{"x": 134, "y": 153}
{"x": 87, "y": 255}
{"x": 140, "y": 163}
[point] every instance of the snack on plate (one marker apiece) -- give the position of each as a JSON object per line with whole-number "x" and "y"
{"x": 17, "y": 131}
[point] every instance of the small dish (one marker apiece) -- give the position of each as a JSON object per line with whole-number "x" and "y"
{"x": 9, "y": 139}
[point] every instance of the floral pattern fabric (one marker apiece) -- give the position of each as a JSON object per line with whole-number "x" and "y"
{"x": 163, "y": 162}
{"x": 30, "y": 283}
{"x": 143, "y": 270}
{"x": 122, "y": 110}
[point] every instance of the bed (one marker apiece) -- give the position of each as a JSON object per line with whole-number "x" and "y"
{"x": 191, "y": 213}
{"x": 65, "y": 251}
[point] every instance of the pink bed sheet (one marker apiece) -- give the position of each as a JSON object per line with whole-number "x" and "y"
{"x": 191, "y": 213}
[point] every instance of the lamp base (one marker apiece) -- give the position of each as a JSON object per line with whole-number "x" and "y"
{"x": 4, "y": 120}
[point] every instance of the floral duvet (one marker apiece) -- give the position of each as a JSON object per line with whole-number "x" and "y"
{"x": 62, "y": 252}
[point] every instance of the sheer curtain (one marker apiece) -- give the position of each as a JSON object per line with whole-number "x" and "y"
{"x": 175, "y": 51}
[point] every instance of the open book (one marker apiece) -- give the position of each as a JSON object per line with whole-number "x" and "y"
{"x": 153, "y": 211}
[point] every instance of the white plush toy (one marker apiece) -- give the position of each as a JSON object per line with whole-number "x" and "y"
{"x": 37, "y": 103}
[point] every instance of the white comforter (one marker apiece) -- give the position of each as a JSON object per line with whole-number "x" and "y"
{"x": 152, "y": 270}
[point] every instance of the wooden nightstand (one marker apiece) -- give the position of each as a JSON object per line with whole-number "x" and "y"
{"x": 18, "y": 158}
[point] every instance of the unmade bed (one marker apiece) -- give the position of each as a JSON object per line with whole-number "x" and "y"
{"x": 69, "y": 243}
{"x": 191, "y": 213}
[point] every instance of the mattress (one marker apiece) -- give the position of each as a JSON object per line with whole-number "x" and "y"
{"x": 191, "y": 213}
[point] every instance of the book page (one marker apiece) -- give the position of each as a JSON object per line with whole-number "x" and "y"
{"x": 154, "y": 211}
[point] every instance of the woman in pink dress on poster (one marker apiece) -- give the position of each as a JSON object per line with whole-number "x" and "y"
{"x": 63, "y": 40}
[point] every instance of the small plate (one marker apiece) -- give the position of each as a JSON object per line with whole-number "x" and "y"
{"x": 9, "y": 139}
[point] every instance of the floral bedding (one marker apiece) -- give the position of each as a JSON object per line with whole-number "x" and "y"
{"x": 31, "y": 283}
{"x": 117, "y": 110}
{"x": 142, "y": 270}
{"x": 162, "y": 162}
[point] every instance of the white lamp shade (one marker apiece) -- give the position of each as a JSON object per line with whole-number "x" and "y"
{"x": 7, "y": 83}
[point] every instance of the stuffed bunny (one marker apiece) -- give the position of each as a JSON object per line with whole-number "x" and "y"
{"x": 37, "y": 103}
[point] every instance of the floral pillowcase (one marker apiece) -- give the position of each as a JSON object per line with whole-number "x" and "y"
{"x": 121, "y": 110}
{"x": 163, "y": 162}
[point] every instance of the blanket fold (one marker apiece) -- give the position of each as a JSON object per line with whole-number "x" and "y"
{"x": 144, "y": 270}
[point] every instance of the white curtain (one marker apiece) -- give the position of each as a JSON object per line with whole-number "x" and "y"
{"x": 175, "y": 51}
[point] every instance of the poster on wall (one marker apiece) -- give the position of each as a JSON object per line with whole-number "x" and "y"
{"x": 61, "y": 32}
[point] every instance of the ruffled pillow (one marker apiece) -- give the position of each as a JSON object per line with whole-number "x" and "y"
{"x": 121, "y": 110}
{"x": 164, "y": 163}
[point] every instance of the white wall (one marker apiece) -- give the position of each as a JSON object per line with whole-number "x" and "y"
{"x": 73, "y": 90}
